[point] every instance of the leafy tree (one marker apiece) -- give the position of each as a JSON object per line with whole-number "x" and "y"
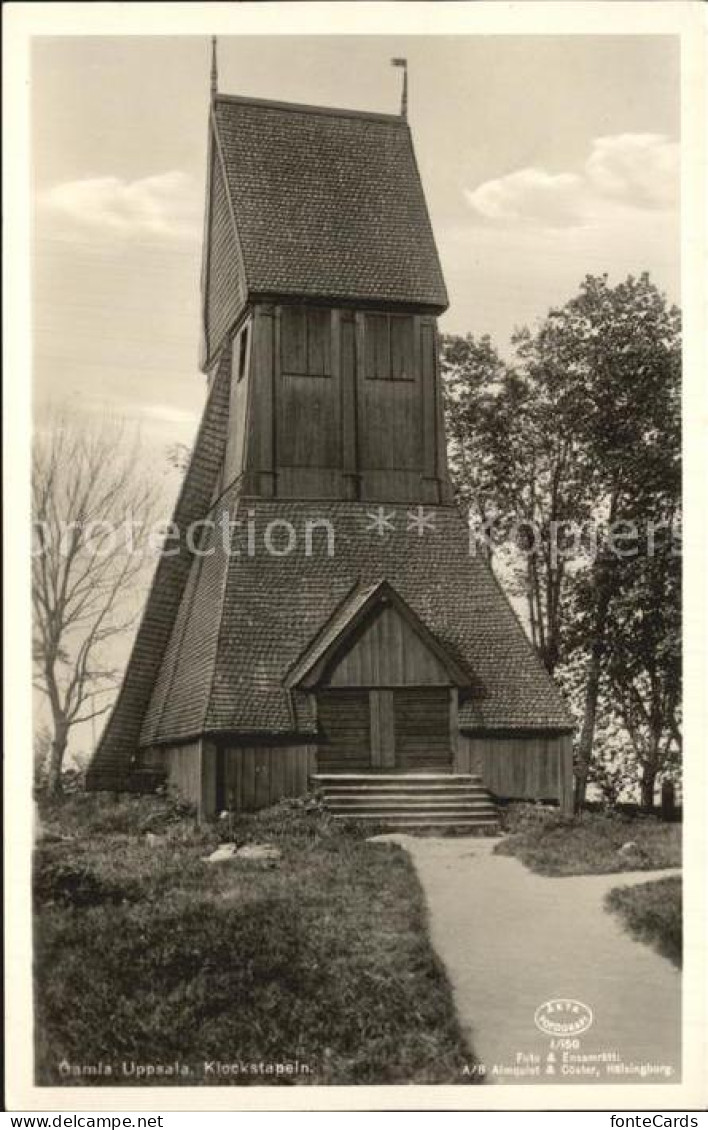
{"x": 92, "y": 508}
{"x": 643, "y": 659}
{"x": 620, "y": 349}
{"x": 515, "y": 471}
{"x": 578, "y": 440}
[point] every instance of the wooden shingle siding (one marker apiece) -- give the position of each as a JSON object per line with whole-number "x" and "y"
{"x": 306, "y": 185}
{"x": 272, "y": 608}
{"x": 119, "y": 742}
{"x": 529, "y": 767}
{"x": 252, "y": 777}
{"x": 226, "y": 293}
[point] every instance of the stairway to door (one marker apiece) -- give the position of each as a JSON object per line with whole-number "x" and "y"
{"x": 421, "y": 802}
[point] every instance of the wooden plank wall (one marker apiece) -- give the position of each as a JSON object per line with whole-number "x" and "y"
{"x": 388, "y": 653}
{"x": 383, "y": 730}
{"x": 235, "y": 457}
{"x": 520, "y": 768}
{"x": 184, "y": 770}
{"x": 329, "y": 418}
{"x": 256, "y": 776}
{"x": 422, "y": 726}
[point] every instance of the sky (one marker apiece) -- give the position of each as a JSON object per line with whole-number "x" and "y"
{"x": 543, "y": 158}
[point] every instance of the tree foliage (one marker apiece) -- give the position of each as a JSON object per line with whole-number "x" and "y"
{"x": 574, "y": 449}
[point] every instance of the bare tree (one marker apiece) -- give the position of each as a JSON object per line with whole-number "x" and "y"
{"x": 93, "y": 505}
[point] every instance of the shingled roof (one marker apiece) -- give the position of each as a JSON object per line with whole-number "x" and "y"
{"x": 246, "y": 620}
{"x": 119, "y": 741}
{"x": 326, "y": 204}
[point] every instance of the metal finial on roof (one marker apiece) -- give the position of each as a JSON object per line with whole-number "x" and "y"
{"x": 214, "y": 70}
{"x": 404, "y": 93}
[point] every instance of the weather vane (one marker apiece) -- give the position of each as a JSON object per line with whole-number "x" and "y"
{"x": 404, "y": 93}
{"x": 214, "y": 70}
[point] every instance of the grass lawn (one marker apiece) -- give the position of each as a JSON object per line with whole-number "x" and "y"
{"x": 552, "y": 844}
{"x": 652, "y": 913}
{"x": 146, "y": 955}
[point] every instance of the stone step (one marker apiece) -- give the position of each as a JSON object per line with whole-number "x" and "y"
{"x": 436, "y": 804}
{"x": 422, "y": 820}
{"x": 447, "y": 802}
{"x": 424, "y": 814}
{"x": 400, "y": 778}
{"x": 471, "y": 791}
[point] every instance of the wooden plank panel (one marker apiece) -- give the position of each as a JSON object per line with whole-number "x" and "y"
{"x": 388, "y": 653}
{"x": 388, "y": 727}
{"x": 262, "y": 775}
{"x": 344, "y": 720}
{"x": 249, "y": 779}
{"x": 274, "y": 769}
{"x": 383, "y": 742}
{"x": 525, "y": 767}
{"x": 422, "y": 721}
{"x": 319, "y": 342}
{"x": 308, "y": 422}
{"x": 261, "y": 452}
{"x": 376, "y": 736}
{"x": 392, "y": 438}
{"x": 293, "y": 339}
{"x": 347, "y": 377}
{"x": 378, "y": 363}
{"x": 565, "y": 774}
{"x": 403, "y": 366}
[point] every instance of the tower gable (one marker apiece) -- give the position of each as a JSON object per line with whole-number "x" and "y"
{"x": 376, "y": 639}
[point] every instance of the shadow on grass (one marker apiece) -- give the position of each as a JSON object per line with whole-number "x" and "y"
{"x": 652, "y": 913}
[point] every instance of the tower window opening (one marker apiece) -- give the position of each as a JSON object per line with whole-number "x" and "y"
{"x": 242, "y": 353}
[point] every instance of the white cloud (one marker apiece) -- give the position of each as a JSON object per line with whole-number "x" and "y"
{"x": 528, "y": 193}
{"x": 166, "y": 205}
{"x": 638, "y": 168}
{"x": 629, "y": 171}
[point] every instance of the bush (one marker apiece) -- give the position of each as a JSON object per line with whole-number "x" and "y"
{"x": 73, "y": 883}
{"x": 520, "y": 818}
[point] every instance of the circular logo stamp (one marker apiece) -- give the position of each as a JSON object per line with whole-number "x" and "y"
{"x": 563, "y": 1017}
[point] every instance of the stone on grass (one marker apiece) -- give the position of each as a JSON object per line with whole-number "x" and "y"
{"x": 261, "y": 853}
{"x": 222, "y": 853}
{"x": 388, "y": 838}
{"x": 628, "y": 848}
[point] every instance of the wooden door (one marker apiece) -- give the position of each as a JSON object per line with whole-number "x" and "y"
{"x": 345, "y": 732}
{"x": 422, "y": 730}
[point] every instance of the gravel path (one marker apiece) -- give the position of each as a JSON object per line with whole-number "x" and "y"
{"x": 511, "y": 940}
